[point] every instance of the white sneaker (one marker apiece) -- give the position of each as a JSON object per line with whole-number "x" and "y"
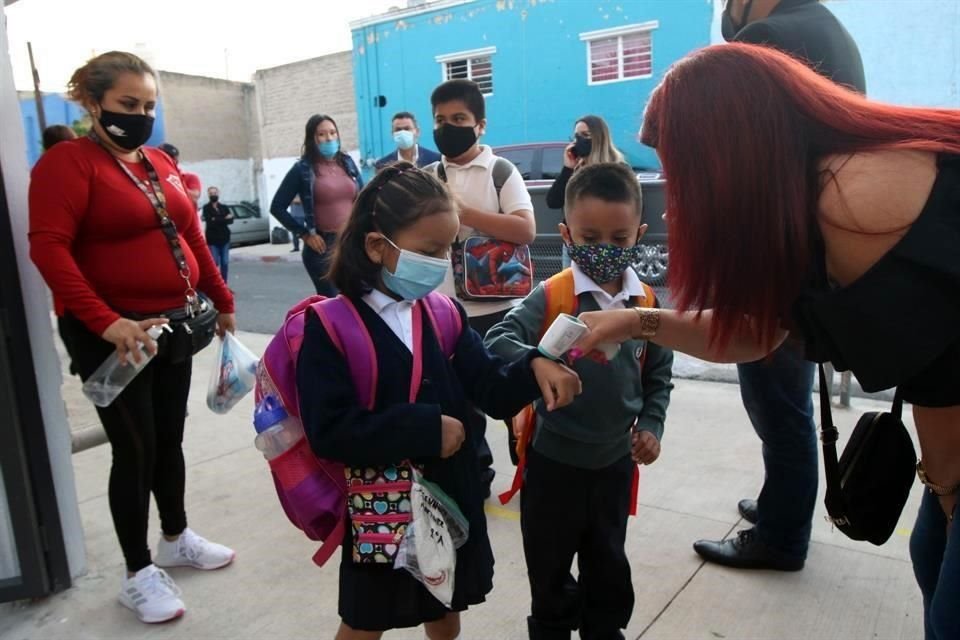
{"x": 190, "y": 550}
{"x": 152, "y": 595}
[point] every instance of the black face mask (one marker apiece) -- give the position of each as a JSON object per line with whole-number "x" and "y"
{"x": 214, "y": 198}
{"x": 454, "y": 141}
{"x": 728, "y": 27}
{"x": 582, "y": 146}
{"x": 127, "y": 130}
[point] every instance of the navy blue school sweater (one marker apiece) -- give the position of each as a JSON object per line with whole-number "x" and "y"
{"x": 339, "y": 429}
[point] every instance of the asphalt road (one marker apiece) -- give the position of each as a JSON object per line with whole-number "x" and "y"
{"x": 266, "y": 290}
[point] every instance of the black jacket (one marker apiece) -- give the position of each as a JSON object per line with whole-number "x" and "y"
{"x": 809, "y": 31}
{"x": 216, "y": 219}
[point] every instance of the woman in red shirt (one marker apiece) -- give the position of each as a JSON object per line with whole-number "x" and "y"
{"x": 95, "y": 235}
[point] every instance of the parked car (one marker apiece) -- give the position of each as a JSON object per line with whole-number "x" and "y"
{"x": 249, "y": 225}
{"x": 539, "y": 165}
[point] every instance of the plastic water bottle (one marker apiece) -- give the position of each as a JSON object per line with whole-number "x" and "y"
{"x": 112, "y": 377}
{"x": 277, "y": 431}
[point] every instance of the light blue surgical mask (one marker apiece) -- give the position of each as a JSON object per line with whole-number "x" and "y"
{"x": 416, "y": 275}
{"x": 404, "y": 139}
{"x": 328, "y": 148}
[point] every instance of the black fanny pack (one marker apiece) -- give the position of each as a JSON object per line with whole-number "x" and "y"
{"x": 190, "y": 331}
{"x": 870, "y": 483}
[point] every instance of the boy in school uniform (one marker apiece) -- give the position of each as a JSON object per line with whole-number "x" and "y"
{"x": 579, "y": 463}
{"x": 492, "y": 198}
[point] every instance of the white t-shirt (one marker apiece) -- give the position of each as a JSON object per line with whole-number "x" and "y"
{"x": 473, "y": 182}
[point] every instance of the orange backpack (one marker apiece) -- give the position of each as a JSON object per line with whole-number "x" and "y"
{"x": 561, "y": 298}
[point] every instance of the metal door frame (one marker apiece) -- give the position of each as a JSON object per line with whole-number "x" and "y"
{"x": 24, "y": 457}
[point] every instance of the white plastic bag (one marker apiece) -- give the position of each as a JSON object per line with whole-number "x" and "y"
{"x": 233, "y": 375}
{"x": 428, "y": 550}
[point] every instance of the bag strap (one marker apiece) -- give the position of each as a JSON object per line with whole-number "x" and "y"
{"x": 350, "y": 336}
{"x": 502, "y": 170}
{"x": 831, "y": 465}
{"x": 343, "y": 324}
{"x": 446, "y": 321}
{"x": 828, "y": 438}
{"x": 153, "y": 191}
{"x": 559, "y": 292}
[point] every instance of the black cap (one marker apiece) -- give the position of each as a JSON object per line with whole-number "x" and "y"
{"x": 170, "y": 150}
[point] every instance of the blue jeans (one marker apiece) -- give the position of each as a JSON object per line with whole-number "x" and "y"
{"x": 936, "y": 565}
{"x": 776, "y": 393}
{"x": 221, "y": 257}
{"x": 318, "y": 265}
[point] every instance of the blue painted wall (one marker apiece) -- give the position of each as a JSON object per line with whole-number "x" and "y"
{"x": 539, "y": 68}
{"x": 910, "y": 48}
{"x": 59, "y": 110}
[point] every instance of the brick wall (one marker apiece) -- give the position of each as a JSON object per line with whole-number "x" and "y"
{"x": 288, "y": 95}
{"x": 209, "y": 118}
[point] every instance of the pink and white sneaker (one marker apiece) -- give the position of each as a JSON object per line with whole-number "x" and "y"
{"x": 152, "y": 595}
{"x": 191, "y": 550}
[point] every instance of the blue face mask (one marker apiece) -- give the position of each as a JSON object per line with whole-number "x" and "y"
{"x": 404, "y": 139}
{"x": 416, "y": 275}
{"x": 329, "y": 148}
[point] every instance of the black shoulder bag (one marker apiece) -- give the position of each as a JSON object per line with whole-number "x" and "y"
{"x": 195, "y": 323}
{"x": 868, "y": 487}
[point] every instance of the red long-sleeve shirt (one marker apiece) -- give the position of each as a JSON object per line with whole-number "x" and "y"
{"x": 96, "y": 239}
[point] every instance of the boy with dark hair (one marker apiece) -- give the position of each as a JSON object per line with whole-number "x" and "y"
{"x": 406, "y": 135}
{"x": 578, "y": 464}
{"x": 492, "y": 199}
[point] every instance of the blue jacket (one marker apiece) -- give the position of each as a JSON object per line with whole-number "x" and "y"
{"x": 299, "y": 181}
{"x": 425, "y": 156}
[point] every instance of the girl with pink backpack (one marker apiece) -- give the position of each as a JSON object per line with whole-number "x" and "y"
{"x": 392, "y": 254}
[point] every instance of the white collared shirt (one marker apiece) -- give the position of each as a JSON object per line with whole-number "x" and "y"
{"x": 397, "y": 314}
{"x": 416, "y": 155}
{"x": 632, "y": 288}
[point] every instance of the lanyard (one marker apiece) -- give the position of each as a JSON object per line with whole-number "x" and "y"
{"x": 153, "y": 191}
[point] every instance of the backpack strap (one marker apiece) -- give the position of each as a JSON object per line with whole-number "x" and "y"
{"x": 560, "y": 293}
{"x": 436, "y": 168}
{"x": 560, "y": 297}
{"x": 343, "y": 324}
{"x": 445, "y": 319}
{"x": 502, "y": 170}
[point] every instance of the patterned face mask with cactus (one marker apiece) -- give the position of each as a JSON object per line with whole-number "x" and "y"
{"x": 604, "y": 263}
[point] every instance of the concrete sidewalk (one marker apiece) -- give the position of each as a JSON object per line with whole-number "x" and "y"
{"x": 711, "y": 459}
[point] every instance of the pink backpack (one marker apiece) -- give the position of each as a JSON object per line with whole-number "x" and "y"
{"x": 313, "y": 491}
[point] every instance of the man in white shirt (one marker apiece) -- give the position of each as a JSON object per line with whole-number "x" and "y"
{"x": 459, "y": 120}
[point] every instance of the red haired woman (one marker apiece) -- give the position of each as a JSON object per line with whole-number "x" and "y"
{"x": 846, "y": 214}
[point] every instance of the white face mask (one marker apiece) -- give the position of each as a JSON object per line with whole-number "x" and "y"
{"x": 403, "y": 139}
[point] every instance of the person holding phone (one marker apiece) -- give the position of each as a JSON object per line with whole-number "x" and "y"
{"x": 591, "y": 144}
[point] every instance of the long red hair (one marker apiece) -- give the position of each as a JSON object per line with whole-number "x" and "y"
{"x": 740, "y": 130}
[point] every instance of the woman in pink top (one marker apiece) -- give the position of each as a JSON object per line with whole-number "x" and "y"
{"x": 327, "y": 181}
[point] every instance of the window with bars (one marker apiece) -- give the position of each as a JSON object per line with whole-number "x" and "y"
{"x": 622, "y": 55}
{"x": 479, "y": 69}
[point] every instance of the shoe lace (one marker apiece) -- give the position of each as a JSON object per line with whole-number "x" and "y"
{"x": 192, "y": 545}
{"x": 159, "y": 583}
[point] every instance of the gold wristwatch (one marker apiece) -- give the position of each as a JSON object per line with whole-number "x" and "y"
{"x": 934, "y": 488}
